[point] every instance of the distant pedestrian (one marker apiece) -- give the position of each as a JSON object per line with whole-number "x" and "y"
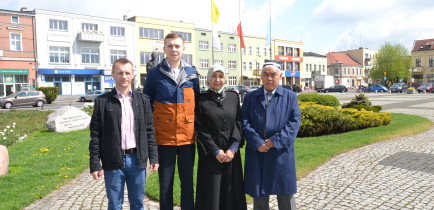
{"x": 271, "y": 119}
{"x": 122, "y": 139}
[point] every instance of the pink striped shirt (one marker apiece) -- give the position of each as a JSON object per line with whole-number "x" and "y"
{"x": 127, "y": 124}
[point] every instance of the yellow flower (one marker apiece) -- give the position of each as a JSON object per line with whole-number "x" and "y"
{"x": 44, "y": 150}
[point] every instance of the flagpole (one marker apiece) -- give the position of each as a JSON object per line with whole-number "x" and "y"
{"x": 212, "y": 32}
{"x": 241, "y": 51}
{"x": 271, "y": 51}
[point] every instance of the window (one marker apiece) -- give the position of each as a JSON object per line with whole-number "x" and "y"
{"x": 323, "y": 68}
{"x": 296, "y": 52}
{"x": 221, "y": 47}
{"x": 258, "y": 65}
{"x": 296, "y": 66}
{"x": 202, "y": 81}
{"x": 16, "y": 42}
{"x": 231, "y": 48}
{"x": 187, "y": 58}
{"x": 430, "y": 62}
{"x": 89, "y": 27}
{"x": 280, "y": 50}
{"x": 314, "y": 67}
{"x": 116, "y": 54}
{"x": 89, "y": 55}
{"x": 203, "y": 63}
{"x": 244, "y": 51}
{"x": 186, "y": 36}
{"x": 307, "y": 67}
{"x": 203, "y": 45}
{"x": 232, "y": 81}
{"x": 417, "y": 62}
{"x": 244, "y": 65}
{"x": 203, "y": 34}
{"x": 336, "y": 71}
{"x": 117, "y": 31}
{"x": 218, "y": 62}
{"x": 288, "y": 66}
{"x": 265, "y": 51}
{"x": 61, "y": 25}
{"x": 250, "y": 50}
{"x": 59, "y": 54}
{"x": 14, "y": 19}
{"x": 151, "y": 33}
{"x": 289, "y": 51}
{"x": 257, "y": 51}
{"x": 250, "y": 66}
{"x": 146, "y": 56}
{"x": 232, "y": 64}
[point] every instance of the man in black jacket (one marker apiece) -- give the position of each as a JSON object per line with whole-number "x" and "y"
{"x": 122, "y": 139}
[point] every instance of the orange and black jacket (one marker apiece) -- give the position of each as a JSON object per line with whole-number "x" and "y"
{"x": 174, "y": 103}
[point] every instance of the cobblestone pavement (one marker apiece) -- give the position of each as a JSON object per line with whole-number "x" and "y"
{"x": 392, "y": 174}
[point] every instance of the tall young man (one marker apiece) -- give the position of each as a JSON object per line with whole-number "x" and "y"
{"x": 171, "y": 86}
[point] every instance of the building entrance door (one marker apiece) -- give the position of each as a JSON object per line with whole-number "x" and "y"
{"x": 9, "y": 89}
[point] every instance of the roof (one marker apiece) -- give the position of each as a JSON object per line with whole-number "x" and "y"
{"x": 423, "y": 45}
{"x": 312, "y": 54}
{"x": 335, "y": 57}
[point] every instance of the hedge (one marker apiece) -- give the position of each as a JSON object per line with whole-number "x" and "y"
{"x": 323, "y": 99}
{"x": 50, "y": 93}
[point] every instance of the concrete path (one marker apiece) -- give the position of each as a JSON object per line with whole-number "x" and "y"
{"x": 393, "y": 174}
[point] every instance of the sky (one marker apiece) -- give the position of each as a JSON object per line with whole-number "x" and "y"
{"x": 321, "y": 25}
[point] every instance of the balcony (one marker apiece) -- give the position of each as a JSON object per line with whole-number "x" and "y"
{"x": 90, "y": 36}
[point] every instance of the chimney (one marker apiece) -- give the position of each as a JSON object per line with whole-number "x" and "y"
{"x": 23, "y": 9}
{"x": 125, "y": 17}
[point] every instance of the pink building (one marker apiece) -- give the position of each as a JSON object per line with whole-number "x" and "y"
{"x": 17, "y": 51}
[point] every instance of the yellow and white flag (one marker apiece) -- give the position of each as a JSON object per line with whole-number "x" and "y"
{"x": 214, "y": 17}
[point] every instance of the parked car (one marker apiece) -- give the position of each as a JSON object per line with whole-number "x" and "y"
{"x": 23, "y": 98}
{"x": 398, "y": 87}
{"x": 232, "y": 88}
{"x": 254, "y": 87}
{"x": 92, "y": 95}
{"x": 294, "y": 88}
{"x": 244, "y": 89}
{"x": 336, "y": 88}
{"x": 376, "y": 88}
{"x": 428, "y": 87}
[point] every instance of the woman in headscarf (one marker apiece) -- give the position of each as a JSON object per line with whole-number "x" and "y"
{"x": 218, "y": 124}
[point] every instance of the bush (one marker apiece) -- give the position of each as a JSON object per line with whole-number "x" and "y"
{"x": 326, "y": 100}
{"x": 50, "y": 93}
{"x": 362, "y": 102}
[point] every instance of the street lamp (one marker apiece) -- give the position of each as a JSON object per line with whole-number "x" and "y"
{"x": 412, "y": 79}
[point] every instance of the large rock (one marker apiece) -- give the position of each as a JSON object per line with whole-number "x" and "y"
{"x": 67, "y": 119}
{"x": 4, "y": 160}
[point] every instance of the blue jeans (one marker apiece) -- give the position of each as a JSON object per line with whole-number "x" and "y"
{"x": 135, "y": 178}
{"x": 167, "y": 156}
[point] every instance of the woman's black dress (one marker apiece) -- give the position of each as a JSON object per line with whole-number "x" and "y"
{"x": 218, "y": 124}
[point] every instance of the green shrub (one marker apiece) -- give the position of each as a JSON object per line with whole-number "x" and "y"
{"x": 362, "y": 102}
{"x": 50, "y": 93}
{"x": 326, "y": 100}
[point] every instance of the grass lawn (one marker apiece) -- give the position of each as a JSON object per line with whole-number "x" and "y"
{"x": 45, "y": 161}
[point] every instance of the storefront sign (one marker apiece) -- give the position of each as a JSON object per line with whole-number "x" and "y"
{"x": 108, "y": 78}
{"x": 70, "y": 71}
{"x": 288, "y": 58}
{"x": 8, "y": 78}
{"x": 14, "y": 71}
{"x": 292, "y": 74}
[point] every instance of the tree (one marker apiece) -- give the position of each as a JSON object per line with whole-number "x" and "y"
{"x": 392, "y": 62}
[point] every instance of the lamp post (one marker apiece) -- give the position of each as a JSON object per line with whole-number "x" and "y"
{"x": 412, "y": 79}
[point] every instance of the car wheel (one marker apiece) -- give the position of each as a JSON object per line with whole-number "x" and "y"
{"x": 8, "y": 105}
{"x": 39, "y": 103}
{"x": 326, "y": 91}
{"x": 82, "y": 99}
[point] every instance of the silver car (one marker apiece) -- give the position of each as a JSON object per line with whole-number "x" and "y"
{"x": 23, "y": 98}
{"x": 91, "y": 96}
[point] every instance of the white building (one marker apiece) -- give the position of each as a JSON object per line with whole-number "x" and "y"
{"x": 75, "y": 52}
{"x": 315, "y": 64}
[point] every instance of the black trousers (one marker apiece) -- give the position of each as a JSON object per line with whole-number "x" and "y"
{"x": 285, "y": 202}
{"x": 168, "y": 156}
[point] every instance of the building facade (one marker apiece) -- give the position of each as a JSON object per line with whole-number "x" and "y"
{"x": 76, "y": 52}
{"x": 253, "y": 57}
{"x": 17, "y": 51}
{"x": 422, "y": 55}
{"x": 346, "y": 71}
{"x": 315, "y": 65}
{"x": 290, "y": 55}
{"x": 150, "y": 39}
{"x": 366, "y": 57}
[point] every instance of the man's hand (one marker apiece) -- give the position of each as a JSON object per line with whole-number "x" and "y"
{"x": 153, "y": 167}
{"x": 229, "y": 155}
{"x": 269, "y": 143}
{"x": 221, "y": 156}
{"x": 97, "y": 175}
{"x": 263, "y": 148}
